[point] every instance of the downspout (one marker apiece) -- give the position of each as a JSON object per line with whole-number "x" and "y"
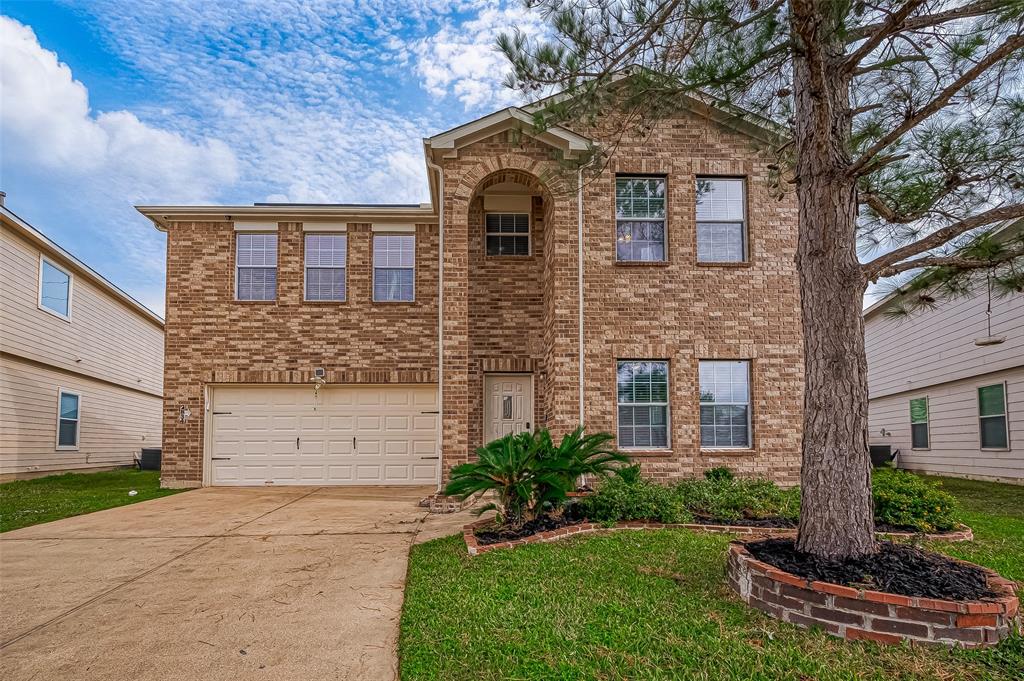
{"x": 579, "y": 278}
{"x": 440, "y": 318}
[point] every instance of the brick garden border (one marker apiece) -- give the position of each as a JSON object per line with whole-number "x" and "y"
{"x": 860, "y": 614}
{"x": 475, "y": 548}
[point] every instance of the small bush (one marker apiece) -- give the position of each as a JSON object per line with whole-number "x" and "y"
{"x": 620, "y": 498}
{"x": 719, "y": 474}
{"x": 904, "y": 500}
{"x": 733, "y": 500}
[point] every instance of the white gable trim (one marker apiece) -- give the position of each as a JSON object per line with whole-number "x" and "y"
{"x": 505, "y": 119}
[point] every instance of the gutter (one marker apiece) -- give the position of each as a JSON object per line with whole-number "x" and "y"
{"x": 440, "y": 319}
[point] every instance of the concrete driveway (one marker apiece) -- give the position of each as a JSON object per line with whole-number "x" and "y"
{"x": 286, "y": 583}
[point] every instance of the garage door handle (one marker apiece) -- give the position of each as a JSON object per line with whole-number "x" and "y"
{"x": 220, "y": 458}
{"x": 430, "y": 412}
{"x": 221, "y": 413}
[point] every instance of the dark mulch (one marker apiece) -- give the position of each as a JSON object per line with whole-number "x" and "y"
{"x": 540, "y": 524}
{"x": 896, "y": 568}
{"x": 747, "y": 522}
{"x": 886, "y": 527}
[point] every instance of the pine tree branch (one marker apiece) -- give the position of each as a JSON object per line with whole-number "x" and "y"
{"x": 954, "y": 261}
{"x": 888, "y": 63}
{"x": 890, "y": 26}
{"x": 1011, "y": 45}
{"x": 973, "y": 9}
{"x": 938, "y": 238}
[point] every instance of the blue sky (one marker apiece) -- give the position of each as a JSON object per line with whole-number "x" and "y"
{"x": 111, "y": 103}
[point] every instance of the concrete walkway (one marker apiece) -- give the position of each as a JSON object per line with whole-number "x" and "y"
{"x": 218, "y": 583}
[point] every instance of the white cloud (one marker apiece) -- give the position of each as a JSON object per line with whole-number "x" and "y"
{"x": 46, "y": 121}
{"x": 460, "y": 59}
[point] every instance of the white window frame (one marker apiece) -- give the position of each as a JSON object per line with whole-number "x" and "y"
{"x": 528, "y": 234}
{"x": 277, "y": 269}
{"x": 373, "y": 266}
{"x": 71, "y": 287}
{"x": 749, "y": 404}
{"x": 744, "y": 222}
{"x": 1005, "y": 416}
{"x": 61, "y": 392}
{"x": 927, "y": 423}
{"x": 306, "y": 267}
{"x": 667, "y": 404}
{"x": 663, "y": 219}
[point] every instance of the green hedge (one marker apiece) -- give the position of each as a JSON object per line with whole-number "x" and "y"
{"x": 905, "y": 500}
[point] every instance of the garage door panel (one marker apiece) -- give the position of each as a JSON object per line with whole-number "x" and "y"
{"x": 395, "y": 442}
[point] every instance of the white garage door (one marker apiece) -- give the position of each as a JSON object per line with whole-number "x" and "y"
{"x": 347, "y": 435}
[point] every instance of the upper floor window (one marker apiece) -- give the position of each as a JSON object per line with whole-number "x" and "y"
{"x": 326, "y": 260}
{"x": 721, "y": 223}
{"x": 643, "y": 405}
{"x": 725, "y": 404}
{"x": 394, "y": 267}
{"x": 640, "y": 219}
{"x": 992, "y": 416}
{"x": 54, "y": 288}
{"x": 67, "y": 420}
{"x": 919, "y": 423}
{"x": 256, "y": 265}
{"x": 507, "y": 233}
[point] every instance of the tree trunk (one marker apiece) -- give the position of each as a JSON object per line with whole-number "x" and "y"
{"x": 836, "y": 517}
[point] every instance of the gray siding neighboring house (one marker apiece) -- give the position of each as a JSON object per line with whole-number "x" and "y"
{"x": 928, "y": 369}
{"x": 81, "y": 362}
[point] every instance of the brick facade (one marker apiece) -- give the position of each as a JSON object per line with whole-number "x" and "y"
{"x": 518, "y": 314}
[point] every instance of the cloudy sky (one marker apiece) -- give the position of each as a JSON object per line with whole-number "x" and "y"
{"x": 111, "y": 103}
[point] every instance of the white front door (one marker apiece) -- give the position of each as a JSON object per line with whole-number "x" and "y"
{"x": 346, "y": 435}
{"x": 508, "y": 404}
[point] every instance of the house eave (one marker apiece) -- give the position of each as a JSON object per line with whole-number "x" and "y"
{"x": 163, "y": 216}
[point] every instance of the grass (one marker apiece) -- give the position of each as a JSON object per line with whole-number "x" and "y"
{"x": 30, "y": 502}
{"x": 654, "y": 605}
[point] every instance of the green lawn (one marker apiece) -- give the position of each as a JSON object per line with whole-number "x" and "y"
{"x": 654, "y": 605}
{"x": 30, "y": 502}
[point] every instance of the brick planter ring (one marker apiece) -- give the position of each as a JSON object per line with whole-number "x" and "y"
{"x": 857, "y": 614}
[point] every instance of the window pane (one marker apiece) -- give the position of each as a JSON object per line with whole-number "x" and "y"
{"x": 508, "y": 245}
{"x": 724, "y": 381}
{"x": 990, "y": 400}
{"x": 641, "y": 423}
{"x": 640, "y": 197}
{"x": 720, "y": 200}
{"x": 323, "y": 283}
{"x": 392, "y": 284}
{"x": 508, "y": 223}
{"x": 257, "y": 283}
{"x": 919, "y": 410}
{"x": 919, "y": 435}
{"x": 68, "y": 406}
{"x": 326, "y": 250}
{"x": 256, "y": 250}
{"x": 993, "y": 432}
{"x": 67, "y": 433}
{"x": 55, "y": 289}
{"x": 720, "y": 242}
{"x": 642, "y": 241}
{"x": 394, "y": 250}
{"x": 725, "y": 408}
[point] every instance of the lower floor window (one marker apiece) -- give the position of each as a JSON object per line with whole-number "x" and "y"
{"x": 725, "y": 404}
{"x": 67, "y": 420}
{"x": 643, "y": 404}
{"x": 992, "y": 416}
{"x": 919, "y": 423}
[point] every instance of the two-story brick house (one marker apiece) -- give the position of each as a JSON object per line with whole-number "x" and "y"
{"x": 657, "y": 301}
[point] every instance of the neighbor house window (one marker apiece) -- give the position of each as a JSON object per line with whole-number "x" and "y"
{"x": 256, "y": 263}
{"x": 919, "y": 423}
{"x": 643, "y": 405}
{"x": 640, "y": 219}
{"x": 325, "y": 266}
{"x": 721, "y": 226}
{"x": 725, "y": 404}
{"x": 54, "y": 289}
{"x": 992, "y": 415}
{"x": 394, "y": 258}
{"x": 507, "y": 233}
{"x": 67, "y": 420}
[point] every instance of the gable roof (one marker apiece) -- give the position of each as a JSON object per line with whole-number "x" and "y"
{"x": 512, "y": 117}
{"x": 41, "y": 241}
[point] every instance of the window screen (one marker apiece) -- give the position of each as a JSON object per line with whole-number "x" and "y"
{"x": 54, "y": 289}
{"x": 992, "y": 416}
{"x": 919, "y": 423}
{"x": 325, "y": 266}
{"x": 67, "y": 420}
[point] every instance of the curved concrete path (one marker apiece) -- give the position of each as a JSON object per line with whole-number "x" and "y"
{"x": 217, "y": 583}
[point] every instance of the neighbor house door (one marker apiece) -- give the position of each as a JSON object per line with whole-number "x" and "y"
{"x": 508, "y": 404}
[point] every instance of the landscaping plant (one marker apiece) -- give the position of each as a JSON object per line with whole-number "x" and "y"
{"x": 903, "y": 499}
{"x": 899, "y": 126}
{"x": 628, "y": 498}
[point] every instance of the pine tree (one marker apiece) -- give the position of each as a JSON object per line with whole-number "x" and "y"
{"x": 901, "y": 131}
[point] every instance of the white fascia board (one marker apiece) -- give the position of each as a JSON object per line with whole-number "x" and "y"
{"x": 324, "y": 226}
{"x": 393, "y": 228}
{"x": 254, "y": 226}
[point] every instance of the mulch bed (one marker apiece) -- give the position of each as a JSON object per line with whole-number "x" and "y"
{"x": 783, "y": 523}
{"x": 896, "y": 568}
{"x": 530, "y": 527}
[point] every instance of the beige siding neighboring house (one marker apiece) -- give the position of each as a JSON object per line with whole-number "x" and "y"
{"x": 927, "y": 368}
{"x": 81, "y": 362}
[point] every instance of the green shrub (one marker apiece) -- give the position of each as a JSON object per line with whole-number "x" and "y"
{"x": 620, "y": 498}
{"x": 721, "y": 473}
{"x": 905, "y": 500}
{"x": 734, "y": 500}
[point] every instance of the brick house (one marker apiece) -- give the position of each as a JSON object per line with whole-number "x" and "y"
{"x": 381, "y": 344}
